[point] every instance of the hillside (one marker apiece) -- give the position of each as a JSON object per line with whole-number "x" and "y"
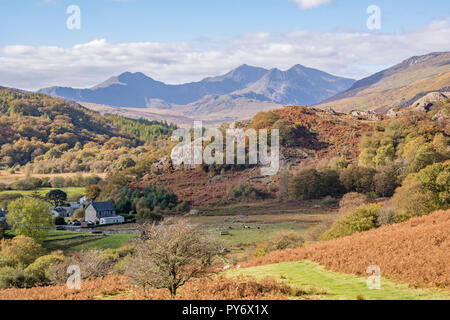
{"x": 245, "y": 88}
{"x": 309, "y": 135}
{"x": 397, "y": 86}
{"x": 415, "y": 252}
{"x": 54, "y": 136}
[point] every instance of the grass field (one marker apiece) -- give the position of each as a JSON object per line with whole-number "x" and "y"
{"x": 246, "y": 225}
{"x": 72, "y": 192}
{"x": 336, "y": 286}
{"x": 76, "y": 241}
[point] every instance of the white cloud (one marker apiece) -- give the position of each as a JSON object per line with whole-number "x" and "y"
{"x": 350, "y": 54}
{"x": 309, "y": 4}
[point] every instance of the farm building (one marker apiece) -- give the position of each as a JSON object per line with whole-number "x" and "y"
{"x": 63, "y": 212}
{"x": 102, "y": 213}
{"x": 112, "y": 220}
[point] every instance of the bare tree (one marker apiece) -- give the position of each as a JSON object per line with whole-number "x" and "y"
{"x": 168, "y": 255}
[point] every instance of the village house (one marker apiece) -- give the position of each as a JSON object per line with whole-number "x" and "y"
{"x": 102, "y": 213}
{"x": 63, "y": 212}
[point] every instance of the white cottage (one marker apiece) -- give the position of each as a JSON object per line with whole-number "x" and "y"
{"x": 102, "y": 213}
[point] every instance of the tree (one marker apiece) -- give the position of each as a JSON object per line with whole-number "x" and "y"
{"x": 436, "y": 180}
{"x": 386, "y": 181}
{"x": 167, "y": 256}
{"x": 424, "y": 192}
{"x": 358, "y": 179}
{"x": 30, "y": 217}
{"x": 58, "y": 197}
{"x": 305, "y": 185}
{"x": 312, "y": 184}
{"x": 93, "y": 191}
{"x": 424, "y": 157}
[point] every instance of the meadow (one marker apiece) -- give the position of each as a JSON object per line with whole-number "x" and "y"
{"x": 328, "y": 285}
{"x": 75, "y": 241}
{"x": 245, "y": 225}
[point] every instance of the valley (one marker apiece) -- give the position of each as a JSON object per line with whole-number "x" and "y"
{"x": 356, "y": 188}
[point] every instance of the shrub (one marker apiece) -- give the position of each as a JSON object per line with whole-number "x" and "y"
{"x": 362, "y": 219}
{"x": 12, "y": 278}
{"x": 39, "y": 269}
{"x": 20, "y": 250}
{"x": 6, "y": 261}
{"x": 147, "y": 214}
{"x": 59, "y": 221}
{"x": 93, "y": 264}
{"x": 279, "y": 241}
{"x": 183, "y": 207}
{"x": 245, "y": 190}
{"x": 285, "y": 240}
{"x": 125, "y": 163}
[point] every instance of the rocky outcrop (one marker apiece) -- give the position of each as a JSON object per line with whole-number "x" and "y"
{"x": 424, "y": 103}
{"x": 365, "y": 115}
{"x": 421, "y": 105}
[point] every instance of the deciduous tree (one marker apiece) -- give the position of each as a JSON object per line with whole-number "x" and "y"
{"x": 167, "y": 256}
{"x": 30, "y": 217}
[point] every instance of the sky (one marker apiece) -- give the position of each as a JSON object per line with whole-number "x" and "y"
{"x": 179, "y": 41}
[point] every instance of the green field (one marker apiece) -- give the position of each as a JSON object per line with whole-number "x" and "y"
{"x": 75, "y": 241}
{"x": 324, "y": 284}
{"x": 246, "y": 225}
{"x": 72, "y": 192}
{"x": 238, "y": 236}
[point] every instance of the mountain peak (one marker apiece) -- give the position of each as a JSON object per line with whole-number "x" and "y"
{"x": 133, "y": 76}
{"x": 300, "y": 85}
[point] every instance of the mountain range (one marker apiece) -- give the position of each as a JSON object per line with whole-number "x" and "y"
{"x": 247, "y": 90}
{"x": 242, "y": 86}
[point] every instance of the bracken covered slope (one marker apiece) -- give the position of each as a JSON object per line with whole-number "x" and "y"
{"x": 416, "y": 252}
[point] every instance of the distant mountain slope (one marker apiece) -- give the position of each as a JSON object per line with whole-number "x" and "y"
{"x": 395, "y": 86}
{"x": 298, "y": 85}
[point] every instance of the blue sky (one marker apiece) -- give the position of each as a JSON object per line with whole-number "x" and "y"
{"x": 40, "y": 22}
{"x": 180, "y": 40}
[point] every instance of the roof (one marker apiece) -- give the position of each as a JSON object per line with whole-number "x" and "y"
{"x": 103, "y": 206}
{"x": 63, "y": 209}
